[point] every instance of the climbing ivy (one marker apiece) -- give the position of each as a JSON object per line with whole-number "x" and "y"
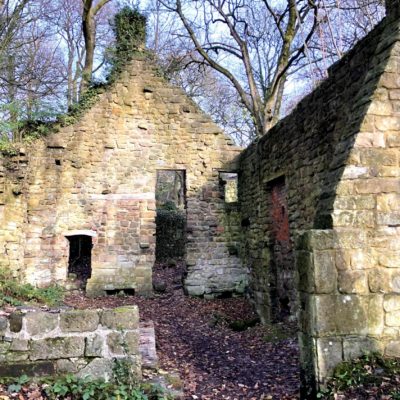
{"x": 129, "y": 26}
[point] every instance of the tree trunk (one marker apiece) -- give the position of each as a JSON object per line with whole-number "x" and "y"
{"x": 89, "y": 32}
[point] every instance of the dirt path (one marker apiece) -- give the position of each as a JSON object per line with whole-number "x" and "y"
{"x": 194, "y": 337}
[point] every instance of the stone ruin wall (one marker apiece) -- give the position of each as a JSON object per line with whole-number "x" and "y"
{"x": 338, "y": 156}
{"x": 81, "y": 342}
{"x": 98, "y": 177}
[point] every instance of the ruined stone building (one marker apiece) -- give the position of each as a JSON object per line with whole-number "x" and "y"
{"x": 315, "y": 230}
{"x": 91, "y": 188}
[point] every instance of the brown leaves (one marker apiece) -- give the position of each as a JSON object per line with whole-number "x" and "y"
{"x": 215, "y": 362}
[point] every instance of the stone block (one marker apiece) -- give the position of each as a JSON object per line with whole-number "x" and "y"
{"x": 321, "y": 313}
{"x": 329, "y": 354}
{"x": 370, "y": 139}
{"x": 195, "y": 290}
{"x": 98, "y": 368}
{"x": 352, "y": 239}
{"x": 354, "y": 347}
{"x": 65, "y": 366}
{"x": 3, "y": 325}
{"x": 79, "y": 321}
{"x": 391, "y": 302}
{"x": 388, "y": 202}
{"x": 39, "y": 323}
{"x": 379, "y": 280}
{"x": 347, "y": 315}
{"x": 121, "y": 318}
{"x": 325, "y": 275}
{"x": 316, "y": 240}
{"x": 19, "y": 345}
{"x": 353, "y": 282}
{"x": 95, "y": 346}
{"x": 390, "y": 259}
{"x": 16, "y": 322}
{"x": 5, "y": 347}
{"x": 392, "y": 318}
{"x": 375, "y": 314}
{"x": 59, "y": 347}
{"x": 131, "y": 342}
{"x": 393, "y": 349}
{"x": 15, "y": 356}
{"x": 147, "y": 345}
{"x": 342, "y": 259}
{"x": 378, "y": 185}
{"x": 115, "y": 343}
{"x": 15, "y": 370}
{"x": 361, "y": 259}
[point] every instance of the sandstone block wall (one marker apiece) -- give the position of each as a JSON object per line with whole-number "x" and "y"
{"x": 82, "y": 342}
{"x": 338, "y": 155}
{"x": 98, "y": 178}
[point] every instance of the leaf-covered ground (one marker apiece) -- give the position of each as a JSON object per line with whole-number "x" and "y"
{"x": 195, "y": 338}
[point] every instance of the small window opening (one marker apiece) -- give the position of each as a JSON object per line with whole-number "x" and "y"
{"x": 58, "y": 162}
{"x": 229, "y": 182}
{"x": 80, "y": 258}
{"x": 120, "y": 292}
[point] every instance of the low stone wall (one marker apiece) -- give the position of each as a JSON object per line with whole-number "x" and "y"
{"x": 82, "y": 342}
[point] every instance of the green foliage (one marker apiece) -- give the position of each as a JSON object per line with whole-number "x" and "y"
{"x": 369, "y": 370}
{"x": 15, "y": 293}
{"x": 170, "y": 233}
{"x": 16, "y": 386}
{"x": 122, "y": 387}
{"x": 123, "y": 374}
{"x": 7, "y": 147}
{"x": 129, "y": 27}
{"x": 130, "y": 31}
{"x": 169, "y": 205}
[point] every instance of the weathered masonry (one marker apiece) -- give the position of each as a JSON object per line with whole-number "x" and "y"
{"x": 81, "y": 202}
{"x": 320, "y": 209}
{"x": 316, "y": 222}
{"x": 83, "y": 342}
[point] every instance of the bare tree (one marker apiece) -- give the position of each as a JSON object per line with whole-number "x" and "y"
{"x": 252, "y": 44}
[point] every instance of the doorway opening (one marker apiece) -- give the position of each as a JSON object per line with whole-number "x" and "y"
{"x": 282, "y": 260}
{"x": 80, "y": 258}
{"x": 170, "y": 229}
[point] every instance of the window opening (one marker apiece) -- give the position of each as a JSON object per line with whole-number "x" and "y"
{"x": 229, "y": 183}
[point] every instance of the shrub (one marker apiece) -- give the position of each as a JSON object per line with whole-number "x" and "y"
{"x": 170, "y": 234}
{"x": 16, "y": 293}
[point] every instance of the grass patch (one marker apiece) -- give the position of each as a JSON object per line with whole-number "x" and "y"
{"x": 363, "y": 377}
{"x": 15, "y": 293}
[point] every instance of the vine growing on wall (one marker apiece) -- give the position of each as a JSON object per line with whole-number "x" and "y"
{"x": 129, "y": 27}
